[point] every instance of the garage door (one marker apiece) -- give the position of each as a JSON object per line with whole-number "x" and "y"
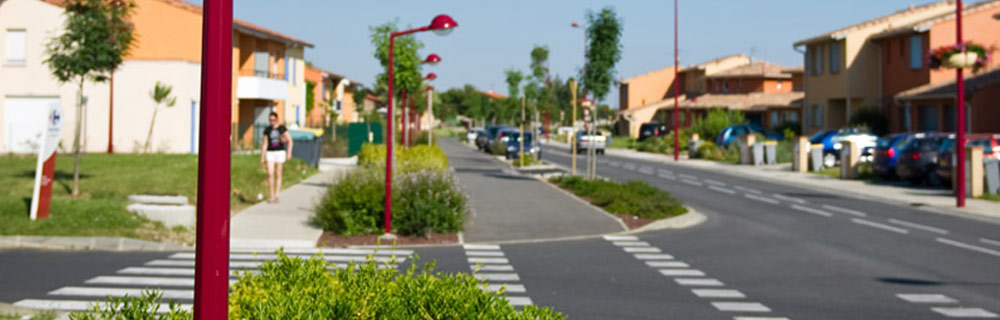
{"x": 24, "y": 121}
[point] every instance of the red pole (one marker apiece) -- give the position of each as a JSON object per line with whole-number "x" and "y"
{"x": 211, "y": 292}
{"x": 677, "y": 90}
{"x": 111, "y": 112}
{"x": 389, "y": 141}
{"x": 960, "y": 135}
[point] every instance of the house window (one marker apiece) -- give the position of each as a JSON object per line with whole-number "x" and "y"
{"x": 808, "y": 62}
{"x": 928, "y": 118}
{"x": 817, "y": 67}
{"x": 834, "y": 57}
{"x": 793, "y": 116}
{"x": 261, "y": 64}
{"x": 725, "y": 86}
{"x": 949, "y": 118}
{"x": 916, "y": 52}
{"x": 774, "y": 118}
{"x": 818, "y": 115}
{"x": 906, "y": 117}
{"x": 14, "y": 45}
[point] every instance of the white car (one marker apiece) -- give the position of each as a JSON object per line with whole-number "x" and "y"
{"x": 583, "y": 141}
{"x": 473, "y": 133}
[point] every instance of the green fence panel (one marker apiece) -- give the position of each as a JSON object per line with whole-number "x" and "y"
{"x": 361, "y": 133}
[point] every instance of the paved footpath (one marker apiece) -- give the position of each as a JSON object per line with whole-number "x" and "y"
{"x": 508, "y": 206}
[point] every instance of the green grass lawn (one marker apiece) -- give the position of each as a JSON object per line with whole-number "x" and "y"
{"x": 106, "y": 181}
{"x": 622, "y": 143}
{"x": 865, "y": 172}
{"x": 991, "y": 197}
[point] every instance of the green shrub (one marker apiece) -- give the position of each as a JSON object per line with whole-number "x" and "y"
{"x": 293, "y": 288}
{"x": 709, "y": 126}
{"x": 708, "y": 150}
{"x": 635, "y": 198}
{"x": 785, "y": 150}
{"x": 421, "y": 157}
{"x": 663, "y": 144}
{"x": 498, "y": 148}
{"x": 145, "y": 307}
{"x": 372, "y": 155}
{"x": 423, "y": 201}
{"x": 790, "y": 129}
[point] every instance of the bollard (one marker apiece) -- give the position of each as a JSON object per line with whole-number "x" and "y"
{"x": 974, "y": 156}
{"x": 771, "y": 152}
{"x": 800, "y": 163}
{"x": 816, "y": 155}
{"x": 992, "y": 171}
{"x": 850, "y": 153}
{"x": 746, "y": 142}
{"x": 758, "y": 154}
{"x": 693, "y": 146}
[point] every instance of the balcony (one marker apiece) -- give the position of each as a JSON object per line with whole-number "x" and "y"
{"x": 255, "y": 87}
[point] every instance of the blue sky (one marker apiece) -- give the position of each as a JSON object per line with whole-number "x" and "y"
{"x": 496, "y": 35}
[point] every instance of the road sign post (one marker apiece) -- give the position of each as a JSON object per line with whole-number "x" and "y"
{"x": 46, "y": 168}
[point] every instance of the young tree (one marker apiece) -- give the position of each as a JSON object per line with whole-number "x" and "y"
{"x": 162, "y": 94}
{"x": 97, "y": 35}
{"x": 407, "y": 62}
{"x": 604, "y": 50}
{"x": 513, "y": 78}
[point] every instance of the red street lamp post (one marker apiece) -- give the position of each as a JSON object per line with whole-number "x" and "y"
{"x": 430, "y": 108}
{"x": 960, "y": 118}
{"x": 676, "y": 91}
{"x": 442, "y": 25}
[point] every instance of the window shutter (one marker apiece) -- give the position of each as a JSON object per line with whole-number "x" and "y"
{"x": 15, "y": 47}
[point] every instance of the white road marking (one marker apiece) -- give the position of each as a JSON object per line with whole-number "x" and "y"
{"x": 615, "y": 163}
{"x": 325, "y": 251}
{"x": 969, "y": 246}
{"x": 629, "y": 166}
{"x": 119, "y": 292}
{"x": 519, "y": 301}
{"x": 990, "y": 241}
{"x": 481, "y": 247}
{"x": 667, "y": 264}
{"x": 493, "y": 276}
{"x": 718, "y": 293}
{"x": 642, "y": 249}
{"x": 790, "y": 199}
{"x": 665, "y": 171}
{"x": 926, "y": 298}
{"x": 621, "y": 238}
{"x": 489, "y": 260}
{"x": 718, "y": 183}
{"x": 745, "y": 189}
{"x": 741, "y": 307}
{"x": 259, "y": 257}
{"x": 484, "y": 253}
{"x": 762, "y": 199}
{"x": 145, "y": 281}
{"x": 682, "y": 272}
{"x": 918, "y": 226}
{"x": 879, "y": 225}
{"x": 668, "y": 177}
{"x": 965, "y": 312}
{"x": 845, "y": 210}
{"x": 158, "y": 271}
{"x": 811, "y": 210}
{"x": 692, "y": 182}
{"x": 646, "y": 170}
{"x": 698, "y": 282}
{"x": 723, "y": 190}
{"x": 688, "y": 176}
{"x": 631, "y": 243}
{"x": 76, "y": 305}
{"x": 760, "y": 318}
{"x": 492, "y": 267}
{"x": 190, "y": 264}
{"x": 660, "y": 256}
{"x": 510, "y": 288}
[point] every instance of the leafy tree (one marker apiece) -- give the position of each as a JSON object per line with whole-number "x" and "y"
{"x": 310, "y": 96}
{"x": 162, "y": 94}
{"x": 97, "y": 35}
{"x": 407, "y": 62}
{"x": 604, "y": 50}
{"x": 709, "y": 126}
{"x": 512, "y": 107}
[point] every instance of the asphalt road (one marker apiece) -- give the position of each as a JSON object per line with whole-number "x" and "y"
{"x": 767, "y": 251}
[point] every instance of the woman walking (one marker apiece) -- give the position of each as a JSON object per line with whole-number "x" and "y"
{"x": 273, "y": 154}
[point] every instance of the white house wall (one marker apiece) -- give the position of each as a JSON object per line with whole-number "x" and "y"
{"x": 295, "y": 103}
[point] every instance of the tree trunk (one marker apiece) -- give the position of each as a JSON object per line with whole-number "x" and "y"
{"x": 76, "y": 139}
{"x": 149, "y": 137}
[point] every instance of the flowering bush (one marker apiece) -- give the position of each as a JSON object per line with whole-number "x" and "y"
{"x": 939, "y": 57}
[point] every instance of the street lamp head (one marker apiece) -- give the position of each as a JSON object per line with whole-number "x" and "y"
{"x": 431, "y": 76}
{"x": 432, "y": 59}
{"x": 575, "y": 25}
{"x": 442, "y": 24}
{"x": 430, "y": 88}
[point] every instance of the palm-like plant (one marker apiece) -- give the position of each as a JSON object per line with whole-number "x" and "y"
{"x": 162, "y": 94}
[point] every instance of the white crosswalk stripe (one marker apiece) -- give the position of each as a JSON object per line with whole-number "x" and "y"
{"x": 945, "y": 305}
{"x": 489, "y": 265}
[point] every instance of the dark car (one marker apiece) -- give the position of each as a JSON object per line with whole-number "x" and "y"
{"x": 491, "y": 132}
{"x": 832, "y": 142}
{"x": 648, "y": 130}
{"x": 731, "y": 133}
{"x": 887, "y": 151}
{"x": 917, "y": 159}
{"x": 946, "y": 153}
{"x": 514, "y": 144}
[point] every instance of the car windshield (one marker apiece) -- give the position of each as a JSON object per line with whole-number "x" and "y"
{"x": 515, "y": 137}
{"x": 819, "y": 136}
{"x": 884, "y": 142}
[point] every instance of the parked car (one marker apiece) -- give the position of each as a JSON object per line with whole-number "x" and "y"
{"x": 474, "y": 133}
{"x": 599, "y": 138}
{"x": 491, "y": 132}
{"x": 886, "y": 152}
{"x": 946, "y": 153}
{"x": 832, "y": 143}
{"x": 652, "y": 129}
{"x": 917, "y": 159}
{"x": 512, "y": 138}
{"x": 731, "y": 133}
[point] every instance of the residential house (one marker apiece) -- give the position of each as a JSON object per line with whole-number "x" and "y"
{"x": 982, "y": 101}
{"x": 843, "y": 67}
{"x": 904, "y": 68}
{"x": 267, "y": 76}
{"x": 331, "y": 92}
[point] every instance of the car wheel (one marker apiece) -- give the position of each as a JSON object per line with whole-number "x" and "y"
{"x": 829, "y": 160}
{"x": 933, "y": 179}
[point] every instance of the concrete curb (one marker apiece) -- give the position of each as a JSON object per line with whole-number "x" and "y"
{"x": 119, "y": 244}
{"x": 690, "y": 219}
{"x": 9, "y": 309}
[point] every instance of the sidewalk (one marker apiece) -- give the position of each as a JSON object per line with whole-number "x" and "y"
{"x": 508, "y": 206}
{"x": 930, "y": 199}
{"x": 287, "y": 223}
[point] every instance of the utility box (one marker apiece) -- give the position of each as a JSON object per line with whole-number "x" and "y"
{"x": 758, "y": 154}
{"x": 771, "y": 152}
{"x": 746, "y": 144}
{"x": 850, "y": 154}
{"x": 974, "y": 177}
{"x": 816, "y": 156}
{"x": 800, "y": 161}
{"x": 992, "y": 171}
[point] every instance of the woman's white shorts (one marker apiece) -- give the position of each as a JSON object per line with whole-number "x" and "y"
{"x": 276, "y": 156}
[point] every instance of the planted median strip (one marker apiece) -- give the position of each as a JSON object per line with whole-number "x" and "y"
{"x": 634, "y": 200}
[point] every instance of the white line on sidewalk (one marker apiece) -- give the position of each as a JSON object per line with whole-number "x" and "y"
{"x": 481, "y": 247}
{"x": 692, "y": 182}
{"x": 925, "y": 298}
{"x": 969, "y": 246}
{"x": 492, "y": 267}
{"x": 745, "y": 189}
{"x": 621, "y": 238}
{"x": 119, "y": 292}
{"x": 659, "y": 256}
{"x": 918, "y": 226}
{"x": 741, "y": 307}
{"x": 989, "y": 241}
{"x": 965, "y": 312}
{"x": 762, "y": 198}
{"x": 493, "y": 277}
{"x": 723, "y": 190}
{"x": 718, "y": 293}
{"x": 682, "y": 272}
{"x": 698, "y": 282}
{"x": 845, "y": 210}
{"x": 879, "y": 225}
{"x": 790, "y": 199}
{"x": 718, "y": 183}
{"x": 811, "y": 210}
{"x": 667, "y": 264}
{"x": 631, "y": 243}
{"x": 642, "y": 249}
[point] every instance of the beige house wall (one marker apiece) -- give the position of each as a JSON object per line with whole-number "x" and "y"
{"x": 295, "y": 103}
{"x": 647, "y": 88}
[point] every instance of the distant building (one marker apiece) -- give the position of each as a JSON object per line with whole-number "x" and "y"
{"x": 331, "y": 92}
